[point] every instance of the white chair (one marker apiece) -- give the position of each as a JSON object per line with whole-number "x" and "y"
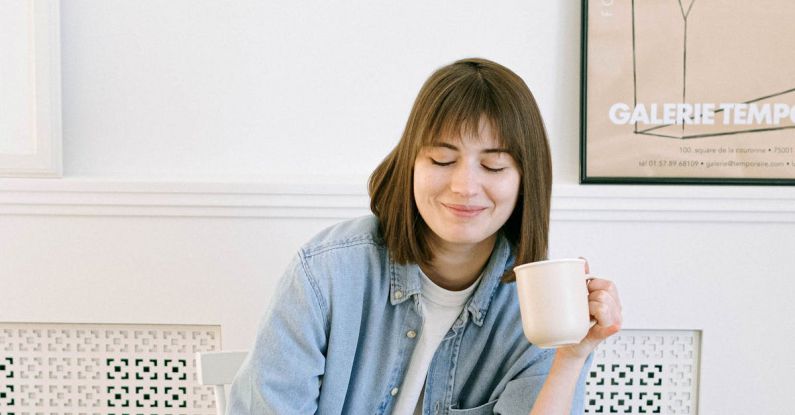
{"x": 219, "y": 369}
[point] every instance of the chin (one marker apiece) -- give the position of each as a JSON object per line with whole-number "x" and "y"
{"x": 464, "y": 239}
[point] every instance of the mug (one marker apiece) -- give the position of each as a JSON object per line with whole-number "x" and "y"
{"x": 553, "y": 301}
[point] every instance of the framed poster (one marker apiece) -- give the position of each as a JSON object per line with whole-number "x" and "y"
{"x": 688, "y": 91}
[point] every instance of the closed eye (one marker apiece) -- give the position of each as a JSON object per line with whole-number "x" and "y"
{"x": 489, "y": 169}
{"x": 440, "y": 163}
{"x": 493, "y": 170}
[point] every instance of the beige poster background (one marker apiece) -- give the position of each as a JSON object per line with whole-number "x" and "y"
{"x": 694, "y": 52}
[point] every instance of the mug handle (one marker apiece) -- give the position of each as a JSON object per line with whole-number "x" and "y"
{"x": 588, "y": 278}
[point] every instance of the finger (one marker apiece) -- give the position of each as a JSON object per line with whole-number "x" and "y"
{"x": 596, "y": 284}
{"x": 611, "y": 303}
{"x": 598, "y": 333}
{"x": 602, "y": 330}
{"x": 605, "y": 312}
{"x": 604, "y": 297}
{"x": 600, "y": 283}
{"x": 602, "y": 313}
{"x": 604, "y": 327}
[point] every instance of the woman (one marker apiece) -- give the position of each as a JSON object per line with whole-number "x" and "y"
{"x": 413, "y": 310}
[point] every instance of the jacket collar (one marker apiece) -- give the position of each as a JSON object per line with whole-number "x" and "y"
{"x": 405, "y": 281}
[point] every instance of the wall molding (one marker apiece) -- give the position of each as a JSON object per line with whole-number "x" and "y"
{"x": 43, "y": 65}
{"x": 104, "y": 197}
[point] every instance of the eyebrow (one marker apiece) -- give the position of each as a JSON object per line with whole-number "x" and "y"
{"x": 488, "y": 150}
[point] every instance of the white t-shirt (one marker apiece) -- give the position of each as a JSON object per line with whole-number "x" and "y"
{"x": 440, "y": 308}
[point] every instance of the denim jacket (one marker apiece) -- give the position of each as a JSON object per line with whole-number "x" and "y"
{"x": 334, "y": 339}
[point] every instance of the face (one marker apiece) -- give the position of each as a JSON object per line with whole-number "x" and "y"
{"x": 466, "y": 189}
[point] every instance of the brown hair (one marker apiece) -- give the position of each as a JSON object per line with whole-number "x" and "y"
{"x": 453, "y": 100}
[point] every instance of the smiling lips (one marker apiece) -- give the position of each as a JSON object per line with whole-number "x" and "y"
{"x": 464, "y": 211}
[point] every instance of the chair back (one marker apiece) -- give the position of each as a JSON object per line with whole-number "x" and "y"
{"x": 219, "y": 369}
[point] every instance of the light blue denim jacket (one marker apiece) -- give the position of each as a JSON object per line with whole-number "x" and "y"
{"x": 334, "y": 338}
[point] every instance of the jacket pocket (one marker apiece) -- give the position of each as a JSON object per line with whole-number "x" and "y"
{"x": 517, "y": 398}
{"x": 487, "y": 408}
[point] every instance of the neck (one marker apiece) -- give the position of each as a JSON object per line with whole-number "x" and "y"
{"x": 455, "y": 267}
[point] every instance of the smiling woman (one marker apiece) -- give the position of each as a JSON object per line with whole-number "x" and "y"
{"x": 464, "y": 194}
{"x": 467, "y": 103}
{"x": 412, "y": 310}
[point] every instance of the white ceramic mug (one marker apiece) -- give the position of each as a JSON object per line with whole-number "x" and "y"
{"x": 553, "y": 300}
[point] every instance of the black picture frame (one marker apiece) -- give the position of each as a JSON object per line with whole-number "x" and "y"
{"x": 585, "y": 178}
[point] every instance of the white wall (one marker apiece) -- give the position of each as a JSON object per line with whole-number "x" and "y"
{"x": 205, "y": 141}
{"x": 191, "y": 89}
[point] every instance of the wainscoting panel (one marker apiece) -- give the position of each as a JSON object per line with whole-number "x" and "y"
{"x": 645, "y": 372}
{"x": 61, "y": 369}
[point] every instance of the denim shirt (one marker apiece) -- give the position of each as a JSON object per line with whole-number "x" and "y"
{"x": 335, "y": 338}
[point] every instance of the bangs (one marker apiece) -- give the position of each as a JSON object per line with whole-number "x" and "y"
{"x": 461, "y": 110}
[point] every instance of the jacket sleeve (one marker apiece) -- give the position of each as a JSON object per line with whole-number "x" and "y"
{"x": 520, "y": 393}
{"x": 283, "y": 372}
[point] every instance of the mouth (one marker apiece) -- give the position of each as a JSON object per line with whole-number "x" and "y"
{"x": 465, "y": 211}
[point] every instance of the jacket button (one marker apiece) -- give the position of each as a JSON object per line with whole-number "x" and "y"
{"x": 394, "y": 391}
{"x": 411, "y": 334}
{"x": 398, "y": 294}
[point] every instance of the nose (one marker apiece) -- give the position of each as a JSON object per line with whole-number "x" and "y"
{"x": 465, "y": 180}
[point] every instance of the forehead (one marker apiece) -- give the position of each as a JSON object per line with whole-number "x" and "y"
{"x": 467, "y": 134}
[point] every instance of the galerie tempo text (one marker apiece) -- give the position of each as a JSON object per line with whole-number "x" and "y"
{"x": 702, "y": 113}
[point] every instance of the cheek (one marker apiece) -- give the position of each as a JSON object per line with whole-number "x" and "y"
{"x": 507, "y": 191}
{"x": 508, "y": 186}
{"x": 422, "y": 186}
{"x": 425, "y": 182}
{"x": 418, "y": 181}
